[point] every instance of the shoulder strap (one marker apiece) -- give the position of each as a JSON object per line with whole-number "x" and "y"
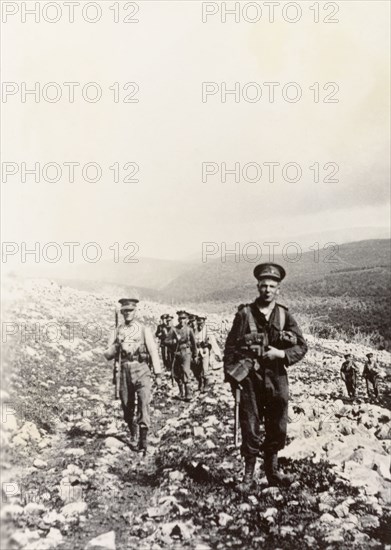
{"x": 281, "y": 317}
{"x": 251, "y": 320}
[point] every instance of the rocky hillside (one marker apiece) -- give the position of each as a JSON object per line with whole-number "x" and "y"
{"x": 71, "y": 478}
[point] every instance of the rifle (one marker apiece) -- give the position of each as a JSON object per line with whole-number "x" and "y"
{"x": 117, "y": 361}
{"x": 236, "y": 425}
{"x": 173, "y": 362}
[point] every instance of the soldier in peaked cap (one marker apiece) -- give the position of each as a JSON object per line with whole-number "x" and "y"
{"x": 371, "y": 375}
{"x": 264, "y": 340}
{"x": 136, "y": 346}
{"x": 349, "y": 374}
{"x": 161, "y": 333}
{"x": 181, "y": 342}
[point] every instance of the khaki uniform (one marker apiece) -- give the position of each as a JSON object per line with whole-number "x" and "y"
{"x": 182, "y": 344}
{"x": 137, "y": 348}
{"x": 161, "y": 333}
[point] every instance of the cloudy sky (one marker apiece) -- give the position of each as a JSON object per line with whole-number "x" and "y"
{"x": 171, "y": 132}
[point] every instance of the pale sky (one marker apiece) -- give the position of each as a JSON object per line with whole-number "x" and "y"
{"x": 170, "y": 132}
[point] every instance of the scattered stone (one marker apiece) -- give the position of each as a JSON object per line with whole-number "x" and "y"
{"x": 24, "y": 539}
{"x": 11, "y": 511}
{"x": 113, "y": 443}
{"x": 224, "y": 519}
{"x": 40, "y": 464}
{"x": 53, "y": 517}
{"x": 75, "y": 452}
{"x": 105, "y": 541}
{"x": 74, "y": 509}
{"x": 176, "y": 476}
{"x": 34, "y": 509}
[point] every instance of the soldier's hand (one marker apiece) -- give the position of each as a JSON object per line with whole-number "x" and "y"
{"x": 158, "y": 380}
{"x": 273, "y": 353}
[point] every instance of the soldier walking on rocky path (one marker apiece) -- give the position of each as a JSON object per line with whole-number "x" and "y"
{"x": 206, "y": 344}
{"x": 263, "y": 341}
{"x": 161, "y": 333}
{"x": 134, "y": 343}
{"x": 182, "y": 344}
{"x": 371, "y": 375}
{"x": 349, "y": 374}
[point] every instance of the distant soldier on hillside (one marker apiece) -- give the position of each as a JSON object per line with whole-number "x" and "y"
{"x": 264, "y": 340}
{"x": 371, "y": 374}
{"x": 169, "y": 354}
{"x": 206, "y": 343}
{"x": 349, "y": 374}
{"x": 161, "y": 333}
{"x": 133, "y": 342}
{"x": 181, "y": 342}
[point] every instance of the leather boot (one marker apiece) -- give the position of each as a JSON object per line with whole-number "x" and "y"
{"x": 133, "y": 427}
{"x": 274, "y": 477}
{"x": 249, "y": 467}
{"x": 181, "y": 394}
{"x": 142, "y": 442}
{"x": 187, "y": 393}
{"x": 201, "y": 385}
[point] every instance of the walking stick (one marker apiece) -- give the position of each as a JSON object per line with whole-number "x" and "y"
{"x": 117, "y": 362}
{"x": 236, "y": 425}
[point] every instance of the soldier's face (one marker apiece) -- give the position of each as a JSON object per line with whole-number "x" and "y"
{"x": 268, "y": 290}
{"x": 182, "y": 321}
{"x": 128, "y": 315}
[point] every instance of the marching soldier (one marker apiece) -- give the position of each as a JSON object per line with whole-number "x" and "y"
{"x": 182, "y": 344}
{"x": 349, "y": 374}
{"x": 205, "y": 344}
{"x": 371, "y": 375}
{"x": 135, "y": 344}
{"x": 192, "y": 322}
{"x": 264, "y": 340}
{"x": 161, "y": 333}
{"x": 169, "y": 354}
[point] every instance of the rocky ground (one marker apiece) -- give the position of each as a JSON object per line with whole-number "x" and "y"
{"x": 71, "y": 478}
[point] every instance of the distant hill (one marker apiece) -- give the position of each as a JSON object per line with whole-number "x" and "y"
{"x": 213, "y": 280}
{"x": 147, "y": 273}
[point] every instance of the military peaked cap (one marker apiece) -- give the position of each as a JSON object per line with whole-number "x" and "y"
{"x": 269, "y": 271}
{"x": 182, "y": 313}
{"x": 370, "y": 354}
{"x": 128, "y": 303}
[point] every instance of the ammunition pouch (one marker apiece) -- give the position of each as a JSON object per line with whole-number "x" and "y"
{"x": 240, "y": 370}
{"x": 141, "y": 355}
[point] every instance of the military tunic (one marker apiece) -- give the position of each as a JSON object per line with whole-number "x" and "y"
{"x": 371, "y": 375}
{"x": 181, "y": 341}
{"x": 265, "y": 391}
{"x": 349, "y": 373}
{"x": 137, "y": 346}
{"x": 161, "y": 333}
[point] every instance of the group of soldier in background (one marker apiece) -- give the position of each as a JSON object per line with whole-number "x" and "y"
{"x": 350, "y": 373}
{"x": 187, "y": 348}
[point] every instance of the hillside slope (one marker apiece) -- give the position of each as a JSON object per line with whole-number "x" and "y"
{"x": 78, "y": 476}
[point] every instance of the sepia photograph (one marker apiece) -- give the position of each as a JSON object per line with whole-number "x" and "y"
{"x": 195, "y": 275}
